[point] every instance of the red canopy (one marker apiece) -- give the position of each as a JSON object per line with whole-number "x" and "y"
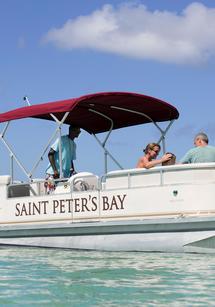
{"x": 82, "y": 115}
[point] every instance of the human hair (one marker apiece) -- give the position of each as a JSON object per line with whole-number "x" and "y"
{"x": 73, "y": 127}
{"x": 171, "y": 161}
{"x": 203, "y": 136}
{"x": 151, "y": 146}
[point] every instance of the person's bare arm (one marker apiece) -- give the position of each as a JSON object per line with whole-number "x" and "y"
{"x": 72, "y": 169}
{"x": 145, "y": 163}
{"x": 52, "y": 162}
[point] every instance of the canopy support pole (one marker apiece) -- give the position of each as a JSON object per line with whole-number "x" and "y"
{"x": 57, "y": 131}
{"x": 163, "y": 132}
{"x": 11, "y": 169}
{"x": 43, "y": 153}
{"x": 102, "y": 144}
{"x": 14, "y": 157}
{"x": 107, "y": 153}
{"x": 11, "y": 152}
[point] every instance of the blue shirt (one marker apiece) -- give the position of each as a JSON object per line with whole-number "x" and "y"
{"x": 199, "y": 154}
{"x": 68, "y": 155}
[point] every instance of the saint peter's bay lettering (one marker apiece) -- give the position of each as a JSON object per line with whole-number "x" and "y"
{"x": 71, "y": 205}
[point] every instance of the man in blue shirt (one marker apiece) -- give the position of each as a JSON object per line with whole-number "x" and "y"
{"x": 68, "y": 147}
{"x": 202, "y": 151}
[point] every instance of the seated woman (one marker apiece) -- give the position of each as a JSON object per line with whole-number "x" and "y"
{"x": 149, "y": 159}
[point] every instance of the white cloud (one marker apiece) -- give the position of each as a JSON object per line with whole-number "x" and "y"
{"x": 134, "y": 31}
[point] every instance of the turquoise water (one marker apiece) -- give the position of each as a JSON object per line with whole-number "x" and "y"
{"x": 52, "y": 277}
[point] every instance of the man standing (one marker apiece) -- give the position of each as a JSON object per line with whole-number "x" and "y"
{"x": 68, "y": 148}
{"x": 202, "y": 151}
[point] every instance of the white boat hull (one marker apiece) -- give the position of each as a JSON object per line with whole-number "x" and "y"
{"x": 162, "y": 210}
{"x": 182, "y": 242}
{"x": 135, "y": 236}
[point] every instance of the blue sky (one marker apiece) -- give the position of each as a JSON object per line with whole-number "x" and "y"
{"x": 53, "y": 50}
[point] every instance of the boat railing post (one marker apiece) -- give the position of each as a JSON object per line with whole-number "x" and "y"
{"x": 72, "y": 213}
{"x": 161, "y": 178}
{"x": 100, "y": 210}
{"x": 129, "y": 180}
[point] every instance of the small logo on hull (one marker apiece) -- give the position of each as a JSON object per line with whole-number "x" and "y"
{"x": 175, "y": 193}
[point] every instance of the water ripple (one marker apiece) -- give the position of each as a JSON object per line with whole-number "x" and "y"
{"x": 53, "y": 277}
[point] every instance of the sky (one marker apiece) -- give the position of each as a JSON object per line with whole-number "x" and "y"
{"x": 55, "y": 50}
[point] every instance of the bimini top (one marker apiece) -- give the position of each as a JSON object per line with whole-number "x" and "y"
{"x": 93, "y": 112}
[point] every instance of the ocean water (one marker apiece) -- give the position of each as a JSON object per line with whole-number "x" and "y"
{"x": 54, "y": 277}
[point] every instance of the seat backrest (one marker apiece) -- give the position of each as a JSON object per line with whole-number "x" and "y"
{"x": 84, "y": 181}
{"x": 18, "y": 190}
{"x": 5, "y": 179}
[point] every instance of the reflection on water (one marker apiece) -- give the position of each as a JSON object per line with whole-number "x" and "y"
{"x": 80, "y": 278}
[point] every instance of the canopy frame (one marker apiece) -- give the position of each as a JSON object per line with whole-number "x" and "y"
{"x": 58, "y": 132}
{"x": 86, "y": 105}
{"x": 20, "y": 164}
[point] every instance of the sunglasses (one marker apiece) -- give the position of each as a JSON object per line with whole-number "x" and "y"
{"x": 156, "y": 151}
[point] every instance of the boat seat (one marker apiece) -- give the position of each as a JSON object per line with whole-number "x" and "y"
{"x": 18, "y": 190}
{"x": 5, "y": 179}
{"x": 84, "y": 181}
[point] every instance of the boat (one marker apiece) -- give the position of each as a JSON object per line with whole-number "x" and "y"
{"x": 162, "y": 209}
